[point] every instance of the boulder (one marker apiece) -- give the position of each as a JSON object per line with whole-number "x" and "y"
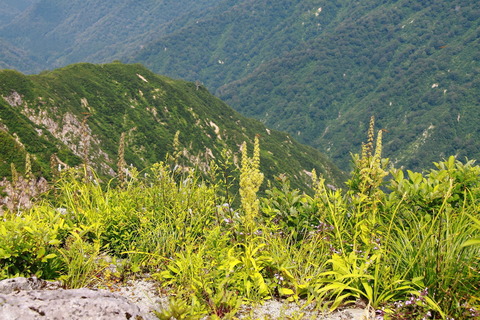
{"x": 32, "y": 298}
{"x": 12, "y": 285}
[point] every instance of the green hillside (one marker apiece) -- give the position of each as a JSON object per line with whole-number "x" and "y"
{"x": 84, "y": 104}
{"x": 317, "y": 69}
{"x": 320, "y": 69}
{"x": 234, "y": 38}
{"x": 57, "y": 32}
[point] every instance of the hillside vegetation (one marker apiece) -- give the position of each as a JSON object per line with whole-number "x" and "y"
{"x": 317, "y": 69}
{"x": 151, "y": 177}
{"x": 320, "y": 69}
{"x": 80, "y": 113}
{"x": 405, "y": 249}
{"x": 56, "y": 33}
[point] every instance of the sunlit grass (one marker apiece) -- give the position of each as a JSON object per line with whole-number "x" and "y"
{"x": 410, "y": 253}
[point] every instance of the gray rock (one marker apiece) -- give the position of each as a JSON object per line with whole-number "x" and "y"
{"x": 32, "y": 299}
{"x": 12, "y": 285}
{"x": 29, "y": 299}
{"x": 273, "y": 309}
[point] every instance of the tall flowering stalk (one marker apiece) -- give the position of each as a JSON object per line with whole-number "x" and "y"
{"x": 250, "y": 181}
{"x": 369, "y": 169}
{"x": 121, "y": 164}
{"x": 365, "y": 187}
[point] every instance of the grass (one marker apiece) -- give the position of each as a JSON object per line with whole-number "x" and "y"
{"x": 410, "y": 252}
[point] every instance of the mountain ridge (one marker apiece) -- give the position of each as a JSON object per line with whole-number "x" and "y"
{"x": 57, "y": 33}
{"x": 53, "y": 112}
{"x": 317, "y": 69}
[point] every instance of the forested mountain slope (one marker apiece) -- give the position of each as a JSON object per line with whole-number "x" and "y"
{"x": 320, "y": 69}
{"x": 58, "y": 32}
{"x": 315, "y": 68}
{"x": 9, "y": 9}
{"x": 81, "y": 111}
{"x": 12, "y": 57}
{"x": 236, "y": 37}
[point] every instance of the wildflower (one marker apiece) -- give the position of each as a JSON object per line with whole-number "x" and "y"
{"x": 279, "y": 278}
{"x": 424, "y": 292}
{"x": 333, "y": 250}
{"x": 380, "y": 313}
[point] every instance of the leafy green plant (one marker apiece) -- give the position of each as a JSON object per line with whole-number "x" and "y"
{"x": 290, "y": 211}
{"x": 452, "y": 181}
{"x": 245, "y": 267}
{"x": 29, "y": 242}
{"x": 80, "y": 258}
{"x": 297, "y": 264}
{"x": 225, "y": 303}
{"x": 364, "y": 278}
{"x": 177, "y": 309}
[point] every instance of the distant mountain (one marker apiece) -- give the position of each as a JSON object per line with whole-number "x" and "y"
{"x": 234, "y": 38}
{"x": 62, "y": 111}
{"x": 320, "y": 69}
{"x": 9, "y": 9}
{"x": 58, "y": 32}
{"x": 15, "y": 58}
{"x": 317, "y": 69}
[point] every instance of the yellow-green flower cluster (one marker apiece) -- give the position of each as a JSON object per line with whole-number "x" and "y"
{"x": 250, "y": 181}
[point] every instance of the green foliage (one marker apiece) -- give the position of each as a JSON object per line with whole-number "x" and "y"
{"x": 405, "y": 241}
{"x": 99, "y": 104}
{"x": 29, "y": 243}
{"x": 245, "y": 267}
{"x": 452, "y": 181}
{"x": 408, "y": 253}
{"x": 79, "y": 257}
{"x": 437, "y": 209}
{"x": 177, "y": 309}
{"x": 318, "y": 69}
{"x": 291, "y": 211}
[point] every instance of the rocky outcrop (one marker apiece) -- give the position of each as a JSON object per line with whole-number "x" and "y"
{"x": 14, "y": 285}
{"x": 20, "y": 194}
{"x": 32, "y": 299}
{"x": 14, "y": 99}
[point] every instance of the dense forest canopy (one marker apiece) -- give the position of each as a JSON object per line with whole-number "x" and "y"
{"x": 320, "y": 69}
{"x": 317, "y": 69}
